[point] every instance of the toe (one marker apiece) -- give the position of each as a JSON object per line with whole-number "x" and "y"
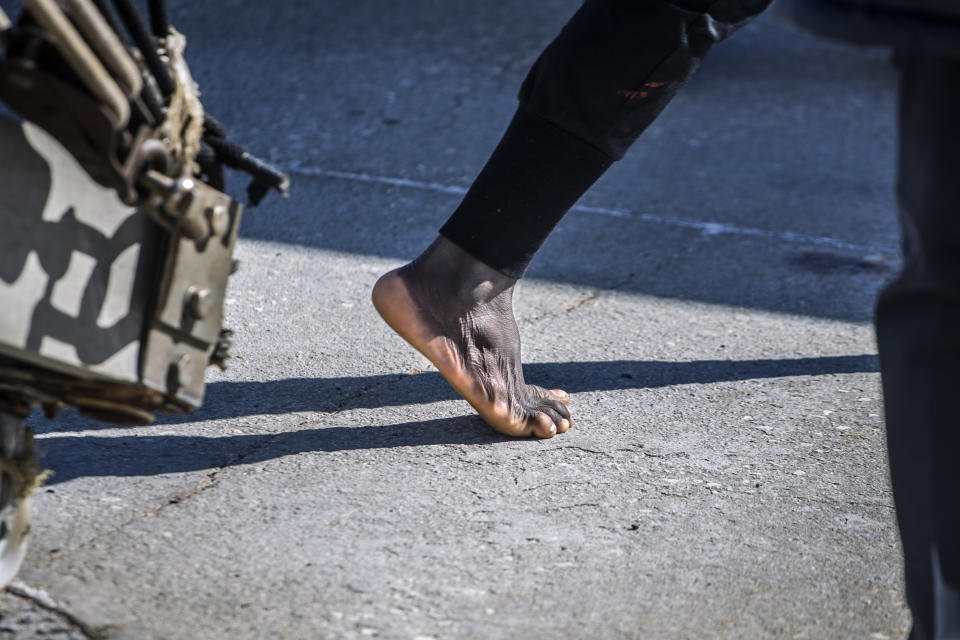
{"x": 561, "y": 395}
{"x": 542, "y": 426}
{"x": 559, "y": 412}
{"x": 560, "y": 407}
{"x": 556, "y": 417}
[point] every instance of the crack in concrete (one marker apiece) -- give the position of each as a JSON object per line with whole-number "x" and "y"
{"x": 605, "y": 454}
{"x": 828, "y": 501}
{"x": 43, "y": 600}
{"x": 595, "y": 294}
{"x": 596, "y": 505}
{"x": 546, "y": 485}
{"x": 586, "y": 299}
{"x": 663, "y": 454}
{"x": 179, "y": 497}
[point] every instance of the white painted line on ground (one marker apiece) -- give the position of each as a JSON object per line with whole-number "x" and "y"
{"x": 393, "y": 182}
{"x": 706, "y": 228}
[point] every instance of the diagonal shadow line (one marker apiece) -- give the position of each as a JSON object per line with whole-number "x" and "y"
{"x": 226, "y": 400}
{"x": 234, "y": 399}
{"x": 141, "y": 454}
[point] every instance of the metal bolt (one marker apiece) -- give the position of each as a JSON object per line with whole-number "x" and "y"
{"x": 179, "y": 195}
{"x": 199, "y": 302}
{"x": 182, "y": 194}
{"x": 219, "y": 220}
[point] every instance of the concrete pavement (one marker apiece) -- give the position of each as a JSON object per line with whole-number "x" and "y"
{"x": 707, "y": 306}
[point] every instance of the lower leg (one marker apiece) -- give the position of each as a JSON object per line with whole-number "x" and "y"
{"x": 458, "y": 312}
{"x": 592, "y": 92}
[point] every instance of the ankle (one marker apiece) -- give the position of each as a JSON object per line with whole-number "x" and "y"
{"x": 455, "y": 274}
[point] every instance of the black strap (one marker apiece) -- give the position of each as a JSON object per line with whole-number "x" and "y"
{"x": 265, "y": 177}
{"x": 159, "y": 23}
{"x": 148, "y": 48}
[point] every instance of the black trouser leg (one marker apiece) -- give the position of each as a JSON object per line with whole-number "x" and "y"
{"x": 918, "y": 334}
{"x": 592, "y": 92}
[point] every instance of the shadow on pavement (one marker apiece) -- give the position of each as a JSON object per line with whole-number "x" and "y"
{"x": 142, "y": 454}
{"x": 233, "y": 399}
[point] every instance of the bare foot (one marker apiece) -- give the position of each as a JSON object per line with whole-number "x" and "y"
{"x": 458, "y": 312}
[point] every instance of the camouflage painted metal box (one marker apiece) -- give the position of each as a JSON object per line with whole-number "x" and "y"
{"x": 100, "y": 306}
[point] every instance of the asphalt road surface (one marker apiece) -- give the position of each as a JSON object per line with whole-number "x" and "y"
{"x": 707, "y": 305}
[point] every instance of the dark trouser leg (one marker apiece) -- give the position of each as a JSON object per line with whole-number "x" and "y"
{"x": 593, "y": 91}
{"x": 918, "y": 334}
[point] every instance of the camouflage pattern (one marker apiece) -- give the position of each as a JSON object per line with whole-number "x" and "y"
{"x": 76, "y": 264}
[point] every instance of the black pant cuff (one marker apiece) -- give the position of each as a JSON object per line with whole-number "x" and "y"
{"x": 537, "y": 172}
